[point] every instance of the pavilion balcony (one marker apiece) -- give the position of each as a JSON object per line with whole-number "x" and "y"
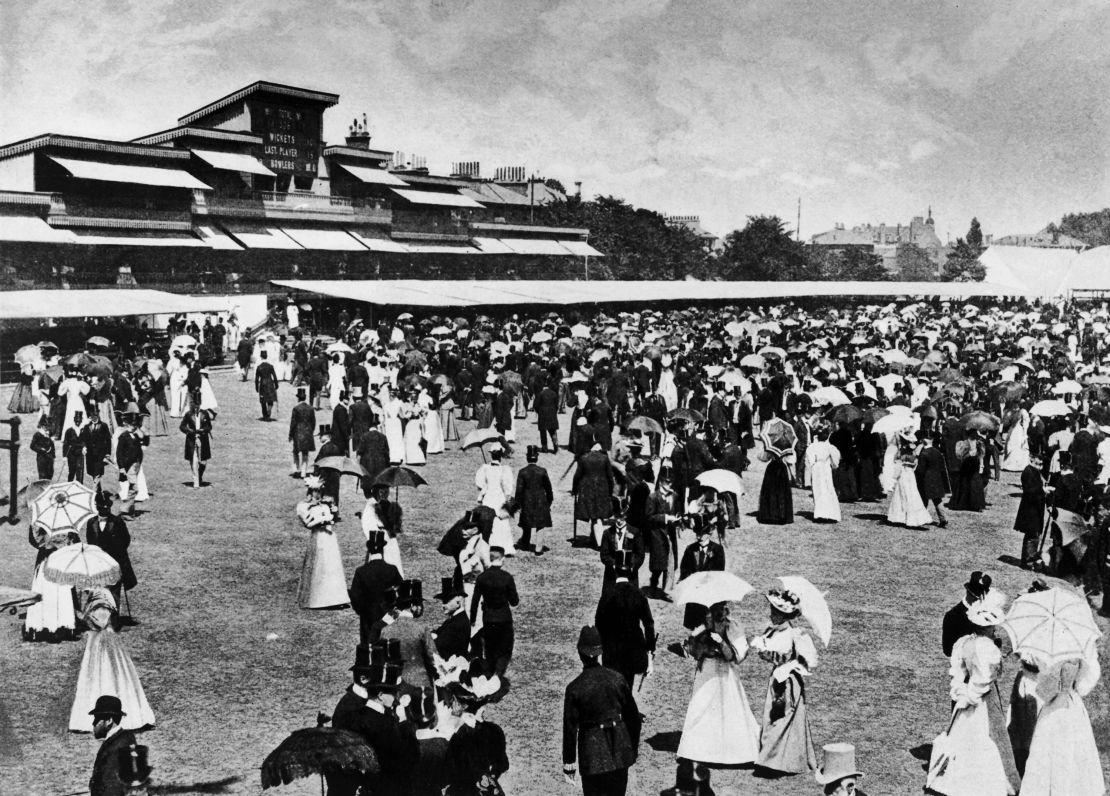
{"x": 276, "y": 205}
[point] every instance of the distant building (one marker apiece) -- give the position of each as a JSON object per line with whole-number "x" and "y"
{"x": 884, "y": 240}
{"x": 693, "y": 223}
{"x": 1047, "y": 238}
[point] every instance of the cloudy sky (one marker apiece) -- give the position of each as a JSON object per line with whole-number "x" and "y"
{"x": 868, "y": 111}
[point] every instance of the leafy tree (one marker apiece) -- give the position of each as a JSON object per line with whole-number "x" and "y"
{"x": 963, "y": 264}
{"x": 849, "y": 264}
{"x": 1091, "y": 228}
{"x": 555, "y": 185}
{"x": 763, "y": 250}
{"x": 914, "y": 265}
{"x": 975, "y": 235}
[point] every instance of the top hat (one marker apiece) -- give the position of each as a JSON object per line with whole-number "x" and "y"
{"x": 362, "y": 659}
{"x": 107, "y": 705}
{"x": 699, "y": 525}
{"x": 784, "y": 601}
{"x": 532, "y": 454}
{"x": 449, "y": 589}
{"x": 324, "y": 429}
{"x": 840, "y": 762}
{"x": 979, "y": 583}
{"x": 375, "y": 541}
{"x": 410, "y": 592}
{"x": 384, "y": 676}
{"x": 301, "y": 393}
{"x": 589, "y": 642}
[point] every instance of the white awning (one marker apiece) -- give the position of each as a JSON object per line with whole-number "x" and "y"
{"x": 377, "y": 242}
{"x": 105, "y": 303}
{"x": 372, "y": 176}
{"x": 333, "y": 240}
{"x": 217, "y": 240}
{"x": 124, "y": 238}
{"x": 31, "y": 229}
{"x": 262, "y": 237}
{"x": 233, "y": 161}
{"x": 436, "y": 198}
{"x": 580, "y": 248}
{"x": 133, "y": 175}
{"x": 491, "y": 246}
{"x": 535, "y": 246}
{"x": 440, "y": 248}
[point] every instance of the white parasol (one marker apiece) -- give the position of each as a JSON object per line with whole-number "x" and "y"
{"x": 1052, "y": 625}
{"x": 812, "y": 604}
{"x": 710, "y": 588}
{"x": 722, "y": 480}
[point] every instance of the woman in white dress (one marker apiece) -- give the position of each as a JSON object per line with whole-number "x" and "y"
{"x": 323, "y": 583}
{"x": 667, "y": 388}
{"x": 372, "y": 521}
{"x": 822, "y": 459}
{"x": 974, "y": 757}
{"x": 889, "y": 474}
{"x": 433, "y": 429}
{"x": 720, "y": 728}
{"x": 337, "y": 378}
{"x": 1063, "y": 757}
{"x": 106, "y": 668}
{"x": 73, "y": 389}
{"x": 495, "y": 484}
{"x": 473, "y": 561}
{"x": 178, "y": 372}
{"x": 391, "y": 425}
{"x": 906, "y": 506}
{"x": 413, "y": 416}
{"x": 52, "y": 618}
{"x": 1016, "y": 457}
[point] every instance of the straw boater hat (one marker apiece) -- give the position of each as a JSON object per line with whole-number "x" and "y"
{"x": 840, "y": 762}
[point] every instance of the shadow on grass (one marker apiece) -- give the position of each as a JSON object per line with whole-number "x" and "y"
{"x": 218, "y": 786}
{"x": 581, "y": 542}
{"x": 1013, "y": 561}
{"x": 922, "y": 753}
{"x": 665, "y": 741}
{"x": 880, "y": 518}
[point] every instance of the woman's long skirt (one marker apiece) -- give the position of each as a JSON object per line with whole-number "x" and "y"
{"x": 776, "y": 503}
{"x": 107, "y": 669}
{"x": 323, "y": 583}
{"x": 719, "y": 726}
{"x": 785, "y": 743}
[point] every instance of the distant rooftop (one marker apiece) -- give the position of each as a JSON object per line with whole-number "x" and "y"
{"x": 324, "y": 98}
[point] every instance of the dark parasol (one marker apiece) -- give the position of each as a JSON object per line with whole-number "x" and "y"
{"x": 318, "y": 750}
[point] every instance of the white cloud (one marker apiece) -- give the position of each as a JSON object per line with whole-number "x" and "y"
{"x": 806, "y": 181}
{"x": 922, "y": 149}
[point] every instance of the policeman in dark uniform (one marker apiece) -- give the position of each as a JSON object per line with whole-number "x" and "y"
{"x": 601, "y": 724}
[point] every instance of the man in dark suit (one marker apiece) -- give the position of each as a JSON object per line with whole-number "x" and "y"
{"x": 601, "y": 724}
{"x": 1084, "y": 454}
{"x": 369, "y": 708}
{"x": 106, "y": 778}
{"x": 302, "y": 427}
{"x": 243, "y": 353}
{"x": 341, "y": 424}
{"x": 403, "y": 625}
{"x": 109, "y": 532}
{"x": 373, "y": 454}
{"x": 623, "y": 619}
{"x": 1030, "y": 515}
{"x": 931, "y": 475}
{"x": 704, "y": 555}
{"x": 495, "y": 592}
{"x": 332, "y": 477}
{"x": 96, "y": 441}
{"x": 316, "y": 373}
{"x": 266, "y": 385}
{"x": 371, "y": 585}
{"x": 73, "y": 449}
{"x": 621, "y": 537}
{"x": 1067, "y": 486}
{"x": 956, "y": 625}
{"x": 503, "y": 410}
{"x": 361, "y": 416}
{"x": 453, "y": 636}
{"x": 533, "y": 498}
{"x": 546, "y": 405}
{"x": 129, "y": 456}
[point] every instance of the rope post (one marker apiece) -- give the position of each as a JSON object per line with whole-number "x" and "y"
{"x": 12, "y": 444}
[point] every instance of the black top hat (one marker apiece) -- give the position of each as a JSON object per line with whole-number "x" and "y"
{"x": 375, "y": 541}
{"x": 393, "y": 650}
{"x": 589, "y": 642}
{"x": 410, "y": 592}
{"x": 698, "y": 524}
{"x": 107, "y": 705}
{"x": 392, "y": 594}
{"x": 497, "y": 549}
{"x": 979, "y": 583}
{"x": 362, "y": 660}
{"x": 532, "y": 454}
{"x": 324, "y": 429}
{"x": 377, "y": 654}
{"x": 301, "y": 393}
{"x": 449, "y": 589}
{"x": 384, "y": 676}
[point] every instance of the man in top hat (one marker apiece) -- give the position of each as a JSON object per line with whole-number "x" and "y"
{"x": 546, "y": 404}
{"x": 660, "y": 534}
{"x": 95, "y": 439}
{"x": 452, "y": 638}
{"x": 402, "y": 624}
{"x": 331, "y": 476}
{"x": 107, "y": 775}
{"x": 370, "y": 707}
{"x": 266, "y": 385}
{"x": 495, "y": 592}
{"x": 371, "y": 584}
{"x": 621, "y": 537}
{"x": 601, "y": 723}
{"x": 503, "y": 411}
{"x": 533, "y": 498}
{"x": 623, "y": 618}
{"x": 956, "y": 625}
{"x": 372, "y": 452}
{"x": 129, "y": 456}
{"x": 361, "y": 414}
{"x": 109, "y": 532}
{"x": 243, "y": 353}
{"x": 302, "y": 429}
{"x": 1030, "y": 515}
{"x": 704, "y": 555}
{"x": 341, "y": 423}
{"x": 316, "y": 373}
{"x": 838, "y": 773}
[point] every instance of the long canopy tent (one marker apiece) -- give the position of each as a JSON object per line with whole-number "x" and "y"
{"x": 472, "y": 293}
{"x": 108, "y": 303}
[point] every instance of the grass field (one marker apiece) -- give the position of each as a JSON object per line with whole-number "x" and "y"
{"x": 231, "y": 665}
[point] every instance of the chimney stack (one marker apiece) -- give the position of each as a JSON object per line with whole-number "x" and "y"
{"x": 358, "y": 134}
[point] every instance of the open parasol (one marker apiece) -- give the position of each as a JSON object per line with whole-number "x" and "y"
{"x": 689, "y": 415}
{"x": 28, "y": 355}
{"x": 344, "y": 464}
{"x": 85, "y": 566}
{"x": 980, "y": 421}
{"x": 845, "y": 413}
{"x": 1067, "y": 387}
{"x": 1052, "y": 407}
{"x": 319, "y": 750}
{"x": 753, "y": 361}
{"x": 829, "y": 396}
{"x": 99, "y": 342}
{"x": 339, "y": 347}
{"x": 895, "y": 424}
{"x": 722, "y": 480}
{"x": 814, "y": 608}
{"x": 482, "y": 436}
{"x": 647, "y": 425}
{"x": 399, "y": 476}
{"x": 778, "y": 437}
{"x": 63, "y": 506}
{"x": 1051, "y": 625}
{"x": 710, "y": 588}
